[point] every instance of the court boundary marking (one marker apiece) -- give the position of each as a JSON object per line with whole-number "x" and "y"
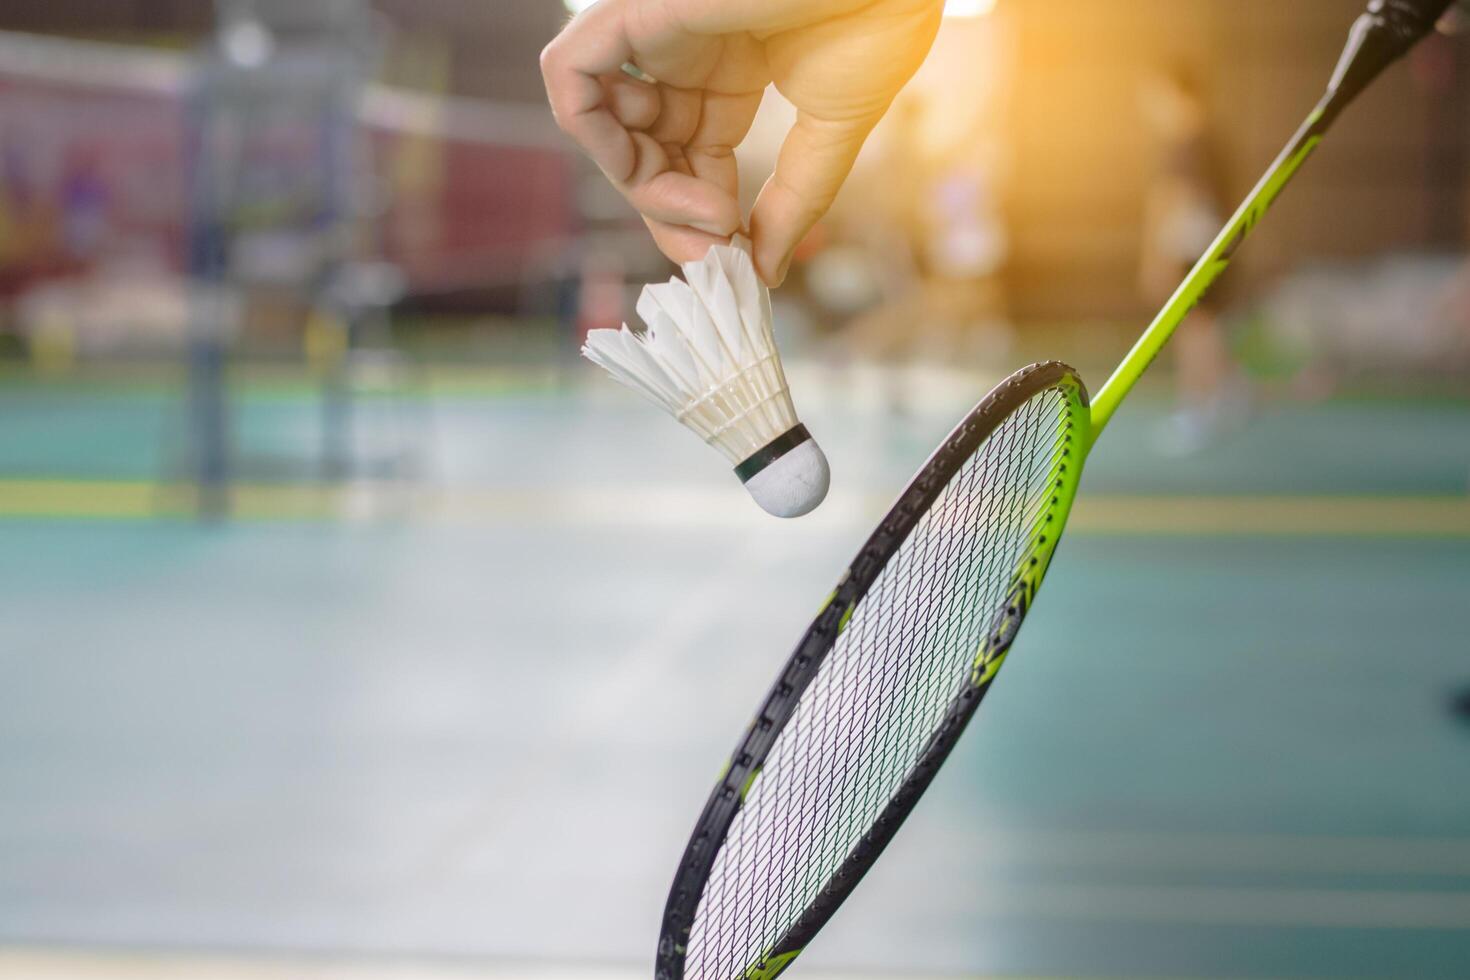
{"x": 1308, "y": 515}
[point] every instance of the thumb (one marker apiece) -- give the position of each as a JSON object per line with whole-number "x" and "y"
{"x": 815, "y": 159}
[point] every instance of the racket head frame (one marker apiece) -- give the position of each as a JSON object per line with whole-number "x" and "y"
{"x": 801, "y": 667}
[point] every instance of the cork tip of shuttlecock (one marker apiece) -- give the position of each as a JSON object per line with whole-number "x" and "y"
{"x": 793, "y": 483}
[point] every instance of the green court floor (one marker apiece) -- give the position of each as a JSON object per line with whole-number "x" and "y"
{"x": 470, "y": 708}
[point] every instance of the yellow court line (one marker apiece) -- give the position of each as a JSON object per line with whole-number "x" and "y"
{"x": 1314, "y": 515}
{"x": 1446, "y": 517}
{"x": 127, "y": 500}
{"x": 100, "y": 499}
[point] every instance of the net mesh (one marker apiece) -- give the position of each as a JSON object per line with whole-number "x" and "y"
{"x": 860, "y": 728}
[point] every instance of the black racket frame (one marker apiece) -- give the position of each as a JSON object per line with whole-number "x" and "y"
{"x": 801, "y": 668}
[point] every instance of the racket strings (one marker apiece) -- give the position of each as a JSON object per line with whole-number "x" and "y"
{"x": 863, "y": 723}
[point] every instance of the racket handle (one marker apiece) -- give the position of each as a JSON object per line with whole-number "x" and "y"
{"x": 1378, "y": 38}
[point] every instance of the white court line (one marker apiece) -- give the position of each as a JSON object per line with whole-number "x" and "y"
{"x": 1219, "y": 906}
{"x": 1198, "y": 852}
{"x": 50, "y": 964}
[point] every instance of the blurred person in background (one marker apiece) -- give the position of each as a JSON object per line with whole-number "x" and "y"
{"x": 660, "y": 92}
{"x": 85, "y": 205}
{"x": 1181, "y": 216}
{"x": 921, "y": 240}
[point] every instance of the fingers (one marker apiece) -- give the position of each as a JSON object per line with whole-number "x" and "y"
{"x": 636, "y": 132}
{"x": 714, "y": 166}
{"x": 592, "y": 47}
{"x": 692, "y": 137}
{"x": 814, "y": 161}
{"x": 636, "y": 105}
{"x": 681, "y": 243}
{"x": 674, "y": 194}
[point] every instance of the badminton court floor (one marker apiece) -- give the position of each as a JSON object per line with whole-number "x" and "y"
{"x": 467, "y": 717}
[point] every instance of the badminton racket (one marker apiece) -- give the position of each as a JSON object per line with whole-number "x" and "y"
{"x": 883, "y": 683}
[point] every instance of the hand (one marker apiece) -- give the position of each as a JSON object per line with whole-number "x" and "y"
{"x": 668, "y": 145}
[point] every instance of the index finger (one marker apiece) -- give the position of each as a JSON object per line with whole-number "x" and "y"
{"x": 592, "y": 45}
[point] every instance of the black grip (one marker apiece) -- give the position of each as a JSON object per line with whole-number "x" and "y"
{"x": 1410, "y": 19}
{"x": 1378, "y": 38}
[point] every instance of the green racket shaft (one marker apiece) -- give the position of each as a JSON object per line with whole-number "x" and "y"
{"x": 1379, "y": 37}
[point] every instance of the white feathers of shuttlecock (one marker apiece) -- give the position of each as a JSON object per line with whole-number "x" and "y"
{"x": 708, "y": 357}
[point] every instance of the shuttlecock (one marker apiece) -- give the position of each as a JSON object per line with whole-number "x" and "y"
{"x": 708, "y": 356}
